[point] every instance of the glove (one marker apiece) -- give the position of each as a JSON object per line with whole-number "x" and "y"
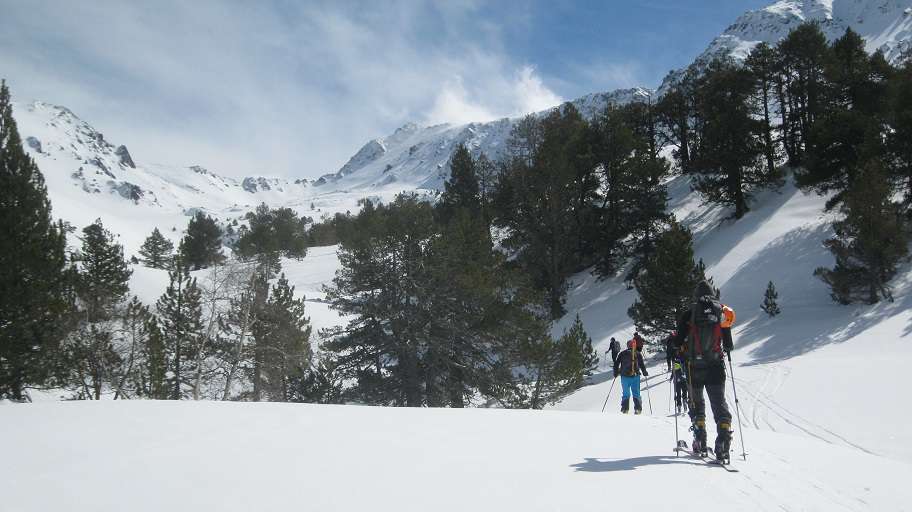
{"x": 645, "y": 374}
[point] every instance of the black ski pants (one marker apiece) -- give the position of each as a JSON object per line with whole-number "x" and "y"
{"x": 712, "y": 379}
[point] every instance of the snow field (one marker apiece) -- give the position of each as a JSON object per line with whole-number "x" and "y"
{"x": 152, "y": 456}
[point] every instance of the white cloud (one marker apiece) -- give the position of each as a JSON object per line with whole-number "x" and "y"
{"x": 262, "y": 88}
{"x": 531, "y": 93}
{"x": 453, "y": 105}
{"x": 502, "y": 97}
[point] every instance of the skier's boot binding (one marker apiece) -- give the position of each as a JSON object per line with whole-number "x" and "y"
{"x": 699, "y": 441}
{"x": 637, "y": 406}
{"x": 723, "y": 443}
{"x": 625, "y": 405}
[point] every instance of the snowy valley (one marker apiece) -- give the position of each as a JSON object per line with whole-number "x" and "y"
{"x": 821, "y": 386}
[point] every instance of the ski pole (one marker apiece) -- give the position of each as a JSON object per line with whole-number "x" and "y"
{"x": 731, "y": 370}
{"x": 649, "y": 394}
{"x": 677, "y": 436}
{"x": 669, "y": 395}
{"x": 609, "y": 393}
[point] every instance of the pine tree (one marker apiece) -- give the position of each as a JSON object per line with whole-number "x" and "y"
{"x": 278, "y": 232}
{"x": 770, "y": 306}
{"x": 104, "y": 276}
{"x": 801, "y": 56}
{"x": 381, "y": 286}
{"x": 156, "y": 251}
{"x": 155, "y": 368}
{"x": 869, "y": 241}
{"x": 546, "y": 197}
{"x": 848, "y": 129}
{"x": 102, "y": 283}
{"x": 899, "y": 137}
{"x": 462, "y": 189}
{"x": 319, "y": 384}
{"x": 726, "y": 159}
{"x": 762, "y": 64}
{"x": 282, "y": 338}
{"x": 675, "y": 112}
{"x": 135, "y": 331}
{"x": 180, "y": 323}
{"x": 202, "y": 245}
{"x": 579, "y": 356}
{"x": 33, "y": 273}
{"x": 486, "y": 170}
{"x": 552, "y": 369}
{"x": 665, "y": 286}
{"x": 614, "y": 152}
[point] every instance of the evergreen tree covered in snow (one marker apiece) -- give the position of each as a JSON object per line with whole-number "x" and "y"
{"x": 156, "y": 250}
{"x": 33, "y": 277}
{"x": 202, "y": 244}
{"x": 665, "y": 287}
{"x": 770, "y": 297}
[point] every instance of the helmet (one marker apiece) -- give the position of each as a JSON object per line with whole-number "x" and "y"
{"x": 728, "y": 317}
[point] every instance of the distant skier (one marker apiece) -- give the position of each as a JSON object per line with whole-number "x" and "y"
{"x": 629, "y": 364}
{"x": 704, "y": 332}
{"x": 670, "y": 350}
{"x": 679, "y": 378}
{"x": 615, "y": 350}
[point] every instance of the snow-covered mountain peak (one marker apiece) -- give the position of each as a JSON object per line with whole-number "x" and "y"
{"x": 886, "y": 25}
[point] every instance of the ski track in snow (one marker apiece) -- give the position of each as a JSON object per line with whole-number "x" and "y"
{"x": 763, "y": 401}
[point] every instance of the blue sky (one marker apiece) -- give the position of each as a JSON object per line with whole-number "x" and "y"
{"x": 294, "y": 88}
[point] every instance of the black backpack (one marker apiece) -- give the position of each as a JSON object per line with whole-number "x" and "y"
{"x": 704, "y": 341}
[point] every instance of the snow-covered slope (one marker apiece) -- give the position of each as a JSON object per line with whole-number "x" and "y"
{"x": 818, "y": 369}
{"x": 155, "y": 456}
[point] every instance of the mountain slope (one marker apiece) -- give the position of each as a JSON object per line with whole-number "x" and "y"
{"x": 153, "y": 456}
{"x": 886, "y": 25}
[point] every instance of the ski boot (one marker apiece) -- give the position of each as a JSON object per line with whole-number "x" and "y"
{"x": 723, "y": 443}
{"x": 699, "y": 440}
{"x": 637, "y": 406}
{"x": 625, "y": 405}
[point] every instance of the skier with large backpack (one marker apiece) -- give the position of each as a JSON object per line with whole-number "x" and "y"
{"x": 629, "y": 364}
{"x": 704, "y": 335}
